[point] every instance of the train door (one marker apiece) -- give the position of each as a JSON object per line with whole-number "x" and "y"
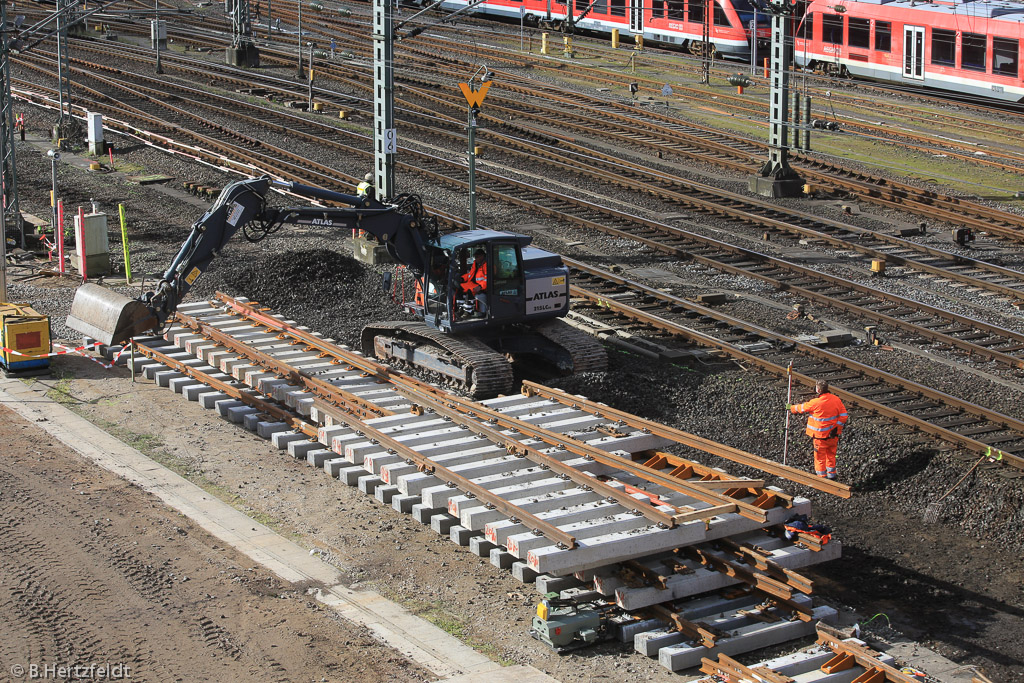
{"x": 913, "y": 52}
{"x": 636, "y": 16}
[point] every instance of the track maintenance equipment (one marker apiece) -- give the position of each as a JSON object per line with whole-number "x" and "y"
{"x": 565, "y": 624}
{"x": 24, "y": 340}
{"x": 526, "y": 292}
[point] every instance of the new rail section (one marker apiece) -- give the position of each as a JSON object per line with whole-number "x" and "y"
{"x": 543, "y": 482}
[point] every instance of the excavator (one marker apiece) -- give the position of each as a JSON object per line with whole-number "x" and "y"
{"x": 467, "y": 342}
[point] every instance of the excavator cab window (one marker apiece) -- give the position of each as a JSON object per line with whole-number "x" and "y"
{"x": 436, "y": 282}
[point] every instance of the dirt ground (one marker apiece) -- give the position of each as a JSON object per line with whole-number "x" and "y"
{"x": 96, "y": 572}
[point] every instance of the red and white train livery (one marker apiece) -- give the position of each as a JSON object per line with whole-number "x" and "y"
{"x": 672, "y": 22}
{"x": 971, "y": 47}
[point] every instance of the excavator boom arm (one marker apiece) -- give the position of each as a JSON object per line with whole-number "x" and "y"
{"x": 111, "y": 318}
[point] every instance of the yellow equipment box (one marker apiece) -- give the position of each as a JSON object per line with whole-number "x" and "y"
{"x": 24, "y": 340}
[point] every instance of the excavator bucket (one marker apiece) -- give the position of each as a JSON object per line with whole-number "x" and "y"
{"x": 109, "y": 317}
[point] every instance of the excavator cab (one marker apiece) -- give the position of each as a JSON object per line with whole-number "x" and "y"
{"x": 442, "y": 293}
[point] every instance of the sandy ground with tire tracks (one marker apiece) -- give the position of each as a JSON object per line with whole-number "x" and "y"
{"x": 94, "y": 571}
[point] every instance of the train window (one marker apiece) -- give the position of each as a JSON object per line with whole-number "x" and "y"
{"x": 806, "y": 30}
{"x": 618, "y": 8}
{"x": 883, "y": 36}
{"x": 832, "y": 28}
{"x": 973, "y": 53}
{"x": 745, "y": 13}
{"x": 720, "y": 18}
{"x": 1004, "y": 56}
{"x": 860, "y": 32}
{"x": 658, "y": 9}
{"x": 677, "y": 9}
{"x": 695, "y": 10}
{"x": 600, "y": 7}
{"x": 943, "y": 47}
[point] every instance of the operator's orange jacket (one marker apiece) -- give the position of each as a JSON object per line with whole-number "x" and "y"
{"x": 827, "y": 412}
{"x": 475, "y": 280}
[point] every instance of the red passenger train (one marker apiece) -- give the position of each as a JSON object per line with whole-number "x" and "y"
{"x": 672, "y": 22}
{"x": 970, "y": 47}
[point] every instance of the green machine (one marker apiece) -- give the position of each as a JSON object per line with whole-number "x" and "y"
{"x": 565, "y": 624}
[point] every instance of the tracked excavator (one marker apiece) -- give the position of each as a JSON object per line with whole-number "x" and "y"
{"x": 454, "y": 338}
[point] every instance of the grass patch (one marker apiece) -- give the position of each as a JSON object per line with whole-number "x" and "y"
{"x": 61, "y": 391}
{"x": 440, "y": 615}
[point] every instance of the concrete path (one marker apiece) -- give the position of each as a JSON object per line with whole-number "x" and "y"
{"x": 420, "y": 641}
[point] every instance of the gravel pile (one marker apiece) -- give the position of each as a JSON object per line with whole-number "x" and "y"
{"x": 327, "y": 291}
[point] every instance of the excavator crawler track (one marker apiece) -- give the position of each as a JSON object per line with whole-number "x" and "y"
{"x": 465, "y": 363}
{"x": 586, "y": 352}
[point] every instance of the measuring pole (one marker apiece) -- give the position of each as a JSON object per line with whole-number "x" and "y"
{"x": 789, "y": 399}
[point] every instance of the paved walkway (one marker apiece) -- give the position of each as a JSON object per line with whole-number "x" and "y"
{"x": 420, "y": 641}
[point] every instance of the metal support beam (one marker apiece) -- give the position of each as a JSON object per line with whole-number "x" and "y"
{"x": 776, "y": 178}
{"x": 385, "y": 142}
{"x": 62, "y": 128}
{"x": 11, "y": 208}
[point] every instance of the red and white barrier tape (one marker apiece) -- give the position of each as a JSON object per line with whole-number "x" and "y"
{"x": 79, "y": 350}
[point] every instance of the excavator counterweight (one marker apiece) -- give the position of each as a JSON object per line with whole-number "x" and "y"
{"x": 109, "y": 317}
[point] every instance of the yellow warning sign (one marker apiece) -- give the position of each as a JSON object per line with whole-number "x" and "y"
{"x": 191, "y": 278}
{"x": 475, "y": 97}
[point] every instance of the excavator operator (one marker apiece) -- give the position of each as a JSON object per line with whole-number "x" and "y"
{"x": 474, "y": 282}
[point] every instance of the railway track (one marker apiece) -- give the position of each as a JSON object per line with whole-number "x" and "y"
{"x": 565, "y": 492}
{"x": 745, "y": 152}
{"x": 924, "y": 322}
{"x": 614, "y": 300}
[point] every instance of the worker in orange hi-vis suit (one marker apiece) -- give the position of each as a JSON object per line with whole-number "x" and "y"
{"x": 824, "y": 426}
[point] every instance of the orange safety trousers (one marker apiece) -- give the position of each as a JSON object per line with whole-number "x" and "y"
{"x": 825, "y": 456}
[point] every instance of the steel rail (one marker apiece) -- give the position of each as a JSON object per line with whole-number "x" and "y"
{"x": 863, "y": 655}
{"x": 692, "y": 489}
{"x": 900, "y": 196}
{"x": 780, "y": 225}
{"x": 329, "y": 396}
{"x": 880, "y": 187}
{"x": 595, "y": 408}
{"x": 229, "y": 389}
{"x": 965, "y": 345}
{"x": 984, "y": 351}
{"x": 427, "y": 397}
{"x": 325, "y": 391}
{"x": 973, "y": 441}
{"x": 831, "y": 300}
{"x": 446, "y": 46}
{"x": 343, "y": 408}
{"x": 979, "y": 412}
{"x": 431, "y": 397}
{"x": 828, "y": 299}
